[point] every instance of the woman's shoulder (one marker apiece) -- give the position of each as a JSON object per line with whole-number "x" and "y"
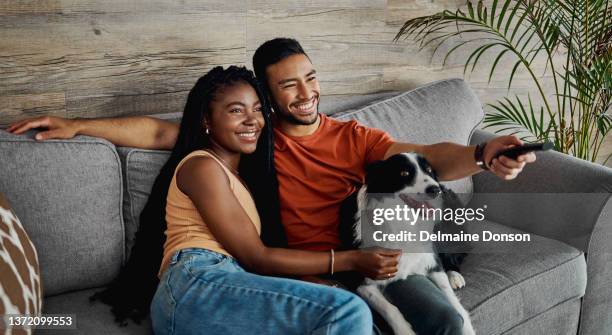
{"x": 200, "y": 159}
{"x": 201, "y": 168}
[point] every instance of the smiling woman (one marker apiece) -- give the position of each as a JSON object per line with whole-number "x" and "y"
{"x": 213, "y": 233}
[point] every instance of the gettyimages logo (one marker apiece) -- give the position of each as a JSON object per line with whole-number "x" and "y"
{"x": 413, "y": 215}
{"x": 471, "y": 223}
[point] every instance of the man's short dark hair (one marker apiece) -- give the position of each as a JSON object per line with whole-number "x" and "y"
{"x": 272, "y": 52}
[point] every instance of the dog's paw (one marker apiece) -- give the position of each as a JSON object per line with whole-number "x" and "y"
{"x": 456, "y": 279}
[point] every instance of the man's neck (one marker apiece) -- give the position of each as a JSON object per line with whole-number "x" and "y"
{"x": 298, "y": 130}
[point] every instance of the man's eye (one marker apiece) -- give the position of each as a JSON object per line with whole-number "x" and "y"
{"x": 404, "y": 173}
{"x": 289, "y": 86}
{"x": 312, "y": 78}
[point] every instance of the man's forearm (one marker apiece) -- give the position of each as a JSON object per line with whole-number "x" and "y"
{"x": 138, "y": 131}
{"x": 450, "y": 160}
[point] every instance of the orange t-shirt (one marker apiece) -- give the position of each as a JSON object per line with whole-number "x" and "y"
{"x": 317, "y": 172}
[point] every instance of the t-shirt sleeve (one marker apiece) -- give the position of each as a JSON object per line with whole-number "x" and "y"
{"x": 375, "y": 142}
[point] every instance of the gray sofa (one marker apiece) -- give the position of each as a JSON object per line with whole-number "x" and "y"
{"x": 80, "y": 199}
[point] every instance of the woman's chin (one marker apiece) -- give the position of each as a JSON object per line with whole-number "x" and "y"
{"x": 248, "y": 149}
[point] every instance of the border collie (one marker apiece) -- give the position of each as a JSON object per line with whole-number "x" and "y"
{"x": 409, "y": 178}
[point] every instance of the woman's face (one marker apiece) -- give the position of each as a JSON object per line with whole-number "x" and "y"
{"x": 236, "y": 118}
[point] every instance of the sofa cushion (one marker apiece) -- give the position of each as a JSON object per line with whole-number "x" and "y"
{"x": 505, "y": 289}
{"x": 559, "y": 320}
{"x": 20, "y": 286}
{"x": 446, "y": 110}
{"x": 68, "y": 196}
{"x": 140, "y": 168}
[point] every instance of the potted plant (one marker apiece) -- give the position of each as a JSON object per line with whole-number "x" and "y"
{"x": 576, "y": 118}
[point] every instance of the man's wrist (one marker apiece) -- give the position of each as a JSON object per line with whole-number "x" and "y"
{"x": 479, "y": 156}
{"x": 78, "y": 125}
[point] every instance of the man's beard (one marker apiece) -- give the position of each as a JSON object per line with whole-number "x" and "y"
{"x": 290, "y": 118}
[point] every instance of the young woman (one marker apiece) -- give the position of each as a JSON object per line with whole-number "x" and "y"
{"x": 213, "y": 246}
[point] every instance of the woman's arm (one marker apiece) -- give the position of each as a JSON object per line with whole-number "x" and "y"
{"x": 204, "y": 181}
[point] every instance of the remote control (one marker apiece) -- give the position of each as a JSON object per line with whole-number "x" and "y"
{"x": 514, "y": 152}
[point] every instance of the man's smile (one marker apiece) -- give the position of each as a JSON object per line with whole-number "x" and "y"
{"x": 305, "y": 108}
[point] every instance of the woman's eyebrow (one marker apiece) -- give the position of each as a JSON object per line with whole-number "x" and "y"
{"x": 235, "y": 103}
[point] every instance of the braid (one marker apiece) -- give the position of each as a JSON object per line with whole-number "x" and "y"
{"x": 130, "y": 294}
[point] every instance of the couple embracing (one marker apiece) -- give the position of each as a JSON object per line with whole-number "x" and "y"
{"x": 243, "y": 217}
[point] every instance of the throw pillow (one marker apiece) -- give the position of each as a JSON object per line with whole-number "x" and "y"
{"x": 20, "y": 285}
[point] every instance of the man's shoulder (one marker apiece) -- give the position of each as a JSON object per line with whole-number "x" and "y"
{"x": 337, "y": 125}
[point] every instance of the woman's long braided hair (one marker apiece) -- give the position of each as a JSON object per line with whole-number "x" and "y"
{"x": 130, "y": 294}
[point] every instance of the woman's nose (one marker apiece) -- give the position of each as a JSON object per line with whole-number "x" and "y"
{"x": 252, "y": 118}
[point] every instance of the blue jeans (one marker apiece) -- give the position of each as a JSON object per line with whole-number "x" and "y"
{"x": 424, "y": 306}
{"x": 204, "y": 292}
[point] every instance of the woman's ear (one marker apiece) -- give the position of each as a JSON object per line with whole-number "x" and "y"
{"x": 205, "y": 126}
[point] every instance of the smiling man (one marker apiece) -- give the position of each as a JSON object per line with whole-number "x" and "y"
{"x": 319, "y": 162}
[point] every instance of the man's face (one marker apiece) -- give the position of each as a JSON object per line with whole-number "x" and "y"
{"x": 295, "y": 89}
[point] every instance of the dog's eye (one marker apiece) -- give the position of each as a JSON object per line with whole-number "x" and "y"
{"x": 404, "y": 173}
{"x": 429, "y": 170}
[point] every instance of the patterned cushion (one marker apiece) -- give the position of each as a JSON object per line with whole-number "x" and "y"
{"x": 20, "y": 288}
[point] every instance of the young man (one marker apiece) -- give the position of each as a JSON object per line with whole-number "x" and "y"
{"x": 319, "y": 162}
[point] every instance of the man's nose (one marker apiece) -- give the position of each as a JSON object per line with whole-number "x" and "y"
{"x": 303, "y": 91}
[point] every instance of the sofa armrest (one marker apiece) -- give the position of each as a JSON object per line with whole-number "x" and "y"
{"x": 570, "y": 201}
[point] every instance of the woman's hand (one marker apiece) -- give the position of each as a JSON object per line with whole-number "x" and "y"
{"x": 376, "y": 263}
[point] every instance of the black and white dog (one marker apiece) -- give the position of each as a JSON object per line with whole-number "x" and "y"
{"x": 409, "y": 178}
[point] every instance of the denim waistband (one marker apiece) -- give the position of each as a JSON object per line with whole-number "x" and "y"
{"x": 196, "y": 251}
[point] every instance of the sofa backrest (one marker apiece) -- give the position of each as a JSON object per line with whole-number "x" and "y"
{"x": 80, "y": 199}
{"x": 68, "y": 196}
{"x": 442, "y": 111}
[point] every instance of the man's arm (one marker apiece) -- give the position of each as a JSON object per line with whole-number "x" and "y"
{"x": 138, "y": 131}
{"x": 454, "y": 161}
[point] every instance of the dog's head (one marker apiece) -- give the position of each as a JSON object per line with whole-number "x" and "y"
{"x": 407, "y": 174}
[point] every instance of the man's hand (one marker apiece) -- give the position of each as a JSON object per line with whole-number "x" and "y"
{"x": 57, "y": 127}
{"x": 133, "y": 131}
{"x": 504, "y": 167}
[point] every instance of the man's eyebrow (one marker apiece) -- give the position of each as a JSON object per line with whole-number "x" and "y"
{"x": 284, "y": 81}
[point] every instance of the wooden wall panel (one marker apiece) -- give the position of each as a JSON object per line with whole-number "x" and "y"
{"x": 343, "y": 42}
{"x": 116, "y": 57}
{"x": 93, "y": 58}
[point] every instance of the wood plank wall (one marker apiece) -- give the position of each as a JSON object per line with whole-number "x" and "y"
{"x": 103, "y": 58}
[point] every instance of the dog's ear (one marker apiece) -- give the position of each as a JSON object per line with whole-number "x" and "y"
{"x": 373, "y": 168}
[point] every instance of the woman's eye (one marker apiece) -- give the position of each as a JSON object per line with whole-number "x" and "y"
{"x": 235, "y": 110}
{"x": 258, "y": 109}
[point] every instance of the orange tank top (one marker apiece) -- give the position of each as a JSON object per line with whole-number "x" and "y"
{"x": 185, "y": 227}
